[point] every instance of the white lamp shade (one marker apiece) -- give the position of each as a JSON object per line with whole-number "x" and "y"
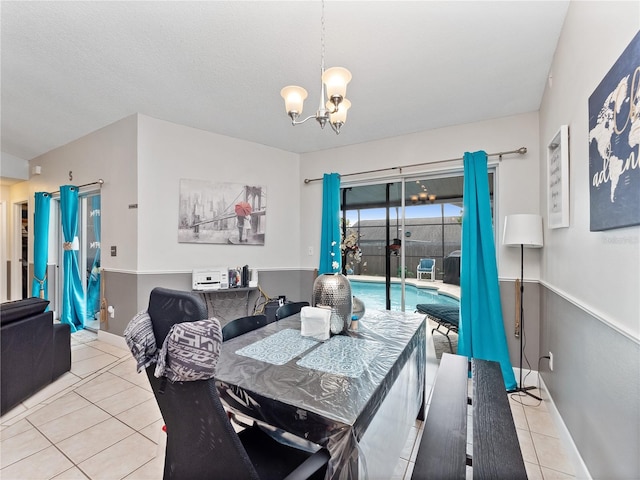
{"x": 336, "y": 79}
{"x": 294, "y": 98}
{"x": 341, "y": 114}
{"x": 523, "y": 229}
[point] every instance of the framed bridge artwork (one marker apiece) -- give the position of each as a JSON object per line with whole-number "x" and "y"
{"x": 614, "y": 142}
{"x": 224, "y": 213}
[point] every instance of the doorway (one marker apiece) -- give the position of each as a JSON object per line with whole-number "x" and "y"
{"x": 21, "y": 251}
{"x": 5, "y": 281}
{"x": 89, "y": 233}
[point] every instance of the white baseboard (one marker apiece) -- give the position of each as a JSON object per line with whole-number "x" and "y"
{"x": 581, "y": 470}
{"x": 529, "y": 377}
{"x": 110, "y": 338}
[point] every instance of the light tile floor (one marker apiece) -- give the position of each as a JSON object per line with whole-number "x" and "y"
{"x": 542, "y": 451}
{"x": 101, "y": 421}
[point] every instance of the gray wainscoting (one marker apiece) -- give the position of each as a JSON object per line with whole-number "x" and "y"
{"x": 297, "y": 285}
{"x": 121, "y": 292}
{"x": 128, "y": 292}
{"x": 595, "y": 385}
{"x": 532, "y": 326}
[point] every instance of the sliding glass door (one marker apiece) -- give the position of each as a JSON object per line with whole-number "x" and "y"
{"x": 400, "y": 223}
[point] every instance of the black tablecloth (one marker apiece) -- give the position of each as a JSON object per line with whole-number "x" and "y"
{"x": 330, "y": 409}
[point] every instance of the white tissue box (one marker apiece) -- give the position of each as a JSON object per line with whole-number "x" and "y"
{"x": 315, "y": 322}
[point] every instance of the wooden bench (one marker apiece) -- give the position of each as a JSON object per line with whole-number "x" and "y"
{"x": 496, "y": 450}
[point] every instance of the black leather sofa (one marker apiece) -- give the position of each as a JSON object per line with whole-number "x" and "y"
{"x": 33, "y": 350}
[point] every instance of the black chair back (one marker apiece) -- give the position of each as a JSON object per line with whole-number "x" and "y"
{"x": 201, "y": 442}
{"x": 289, "y": 309}
{"x": 168, "y": 307}
{"x": 242, "y": 325}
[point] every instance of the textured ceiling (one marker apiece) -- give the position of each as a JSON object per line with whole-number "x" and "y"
{"x": 69, "y": 68}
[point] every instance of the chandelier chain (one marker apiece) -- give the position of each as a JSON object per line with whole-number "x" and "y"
{"x": 322, "y": 40}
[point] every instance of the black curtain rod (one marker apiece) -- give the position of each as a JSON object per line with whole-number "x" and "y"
{"x": 99, "y": 182}
{"x": 521, "y": 151}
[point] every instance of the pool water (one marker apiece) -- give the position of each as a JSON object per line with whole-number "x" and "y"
{"x": 373, "y": 296}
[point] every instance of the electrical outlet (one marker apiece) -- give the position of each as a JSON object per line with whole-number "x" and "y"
{"x": 551, "y": 361}
{"x": 310, "y": 251}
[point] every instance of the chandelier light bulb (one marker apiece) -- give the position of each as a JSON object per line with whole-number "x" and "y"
{"x": 294, "y": 98}
{"x": 335, "y": 80}
{"x": 340, "y": 116}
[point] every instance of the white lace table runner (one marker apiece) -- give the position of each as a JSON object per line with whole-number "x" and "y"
{"x": 342, "y": 355}
{"x": 278, "y": 348}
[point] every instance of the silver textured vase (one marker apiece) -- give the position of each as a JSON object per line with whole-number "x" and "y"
{"x": 334, "y": 290}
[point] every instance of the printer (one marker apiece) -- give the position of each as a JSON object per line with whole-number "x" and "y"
{"x": 204, "y": 279}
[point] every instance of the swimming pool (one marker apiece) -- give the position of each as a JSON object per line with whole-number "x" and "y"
{"x": 373, "y": 296}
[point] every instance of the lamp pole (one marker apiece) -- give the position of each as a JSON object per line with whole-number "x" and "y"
{"x": 521, "y": 387}
{"x": 523, "y": 230}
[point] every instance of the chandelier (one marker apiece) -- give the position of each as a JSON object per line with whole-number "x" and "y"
{"x": 333, "y": 90}
{"x": 423, "y": 196}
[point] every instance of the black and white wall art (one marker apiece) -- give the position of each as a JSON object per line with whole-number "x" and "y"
{"x": 226, "y": 213}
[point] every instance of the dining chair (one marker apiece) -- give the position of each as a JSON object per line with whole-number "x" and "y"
{"x": 242, "y": 325}
{"x": 201, "y": 442}
{"x": 289, "y": 309}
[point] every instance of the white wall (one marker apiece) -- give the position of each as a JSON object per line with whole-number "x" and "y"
{"x": 518, "y": 190}
{"x": 13, "y": 167}
{"x": 168, "y": 152}
{"x": 110, "y": 154}
{"x": 597, "y": 270}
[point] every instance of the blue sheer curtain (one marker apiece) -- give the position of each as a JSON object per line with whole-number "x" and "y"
{"x": 330, "y": 258}
{"x": 73, "y": 301}
{"x": 481, "y": 329}
{"x": 39, "y": 286}
{"x": 93, "y": 288}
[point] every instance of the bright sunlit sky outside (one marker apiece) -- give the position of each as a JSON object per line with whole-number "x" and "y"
{"x": 411, "y": 211}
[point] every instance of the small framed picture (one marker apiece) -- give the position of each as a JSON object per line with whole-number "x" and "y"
{"x": 558, "y": 179}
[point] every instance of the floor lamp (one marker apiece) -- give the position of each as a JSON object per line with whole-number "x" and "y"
{"x": 523, "y": 230}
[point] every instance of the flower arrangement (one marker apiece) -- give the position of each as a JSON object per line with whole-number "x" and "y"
{"x": 351, "y": 252}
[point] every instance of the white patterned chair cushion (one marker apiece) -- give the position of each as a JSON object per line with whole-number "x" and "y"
{"x": 190, "y": 351}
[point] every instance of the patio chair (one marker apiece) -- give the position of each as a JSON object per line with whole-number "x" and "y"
{"x": 446, "y": 316}
{"x": 427, "y": 266}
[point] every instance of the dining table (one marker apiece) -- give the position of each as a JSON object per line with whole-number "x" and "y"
{"x": 357, "y": 394}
